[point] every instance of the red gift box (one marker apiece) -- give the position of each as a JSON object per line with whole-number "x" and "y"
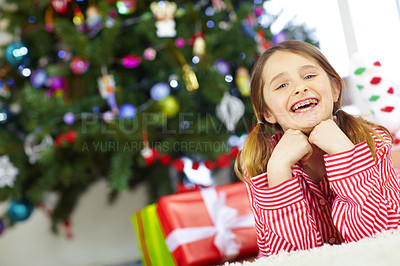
{"x": 209, "y": 226}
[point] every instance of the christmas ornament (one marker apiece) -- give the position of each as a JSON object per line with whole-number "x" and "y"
{"x": 230, "y": 110}
{"x": 190, "y": 78}
{"x": 79, "y": 19}
{"x": 180, "y": 43}
{"x": 38, "y": 78}
{"x": 108, "y": 116}
{"x": 280, "y": 37}
{"x": 8, "y": 172}
{"x": 262, "y": 43}
{"x": 79, "y": 65}
{"x": 127, "y": 111}
{"x": 150, "y": 155}
{"x": 34, "y": 149}
{"x": 199, "y": 46}
{"x": 164, "y": 11}
{"x": 70, "y": 136}
{"x": 126, "y": 7}
{"x": 169, "y": 106}
{"x": 93, "y": 21}
{"x": 5, "y": 116}
{"x": 69, "y": 118}
{"x": 19, "y": 210}
{"x": 106, "y": 85}
{"x": 243, "y": 80}
{"x": 159, "y": 91}
{"x": 131, "y": 61}
{"x": 61, "y": 6}
{"x": 222, "y": 67}
{"x": 17, "y": 53}
{"x": 150, "y": 54}
{"x": 380, "y": 94}
{"x": 49, "y": 19}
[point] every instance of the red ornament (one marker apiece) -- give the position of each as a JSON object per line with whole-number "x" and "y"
{"x": 195, "y": 165}
{"x": 396, "y": 141}
{"x": 234, "y": 152}
{"x": 151, "y": 156}
{"x": 223, "y": 161}
{"x": 70, "y": 136}
{"x": 375, "y": 80}
{"x": 61, "y": 6}
{"x": 377, "y": 63}
{"x": 209, "y": 164}
{"x": 165, "y": 159}
{"x": 387, "y": 109}
{"x": 59, "y": 139}
{"x": 178, "y": 165}
{"x": 390, "y": 90}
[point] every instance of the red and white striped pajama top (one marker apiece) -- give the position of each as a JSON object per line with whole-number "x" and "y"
{"x": 358, "y": 198}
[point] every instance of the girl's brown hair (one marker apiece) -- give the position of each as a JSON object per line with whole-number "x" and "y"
{"x": 257, "y": 148}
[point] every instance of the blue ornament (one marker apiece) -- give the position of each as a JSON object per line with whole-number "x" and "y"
{"x": 160, "y": 91}
{"x": 19, "y": 210}
{"x": 38, "y": 78}
{"x": 127, "y": 111}
{"x": 17, "y": 53}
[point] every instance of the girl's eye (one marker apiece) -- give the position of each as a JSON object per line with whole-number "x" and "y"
{"x": 309, "y": 76}
{"x": 281, "y": 86}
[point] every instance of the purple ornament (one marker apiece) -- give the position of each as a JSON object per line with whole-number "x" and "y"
{"x": 258, "y": 11}
{"x": 222, "y": 67}
{"x": 131, "y": 61}
{"x": 38, "y": 78}
{"x": 280, "y": 37}
{"x": 127, "y": 111}
{"x": 55, "y": 82}
{"x": 180, "y": 43}
{"x": 69, "y": 118}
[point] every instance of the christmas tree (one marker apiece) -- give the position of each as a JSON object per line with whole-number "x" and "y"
{"x": 123, "y": 90}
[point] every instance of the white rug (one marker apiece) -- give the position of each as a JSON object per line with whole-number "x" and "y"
{"x": 382, "y": 250}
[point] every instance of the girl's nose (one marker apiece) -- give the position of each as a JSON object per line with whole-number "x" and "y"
{"x": 300, "y": 90}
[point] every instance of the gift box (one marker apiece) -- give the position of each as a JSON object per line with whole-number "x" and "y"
{"x": 209, "y": 226}
{"x": 150, "y": 238}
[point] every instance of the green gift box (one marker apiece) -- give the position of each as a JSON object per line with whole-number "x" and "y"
{"x": 150, "y": 237}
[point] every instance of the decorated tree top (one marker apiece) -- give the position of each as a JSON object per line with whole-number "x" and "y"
{"x": 123, "y": 90}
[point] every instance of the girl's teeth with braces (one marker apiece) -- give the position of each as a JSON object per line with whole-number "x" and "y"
{"x": 297, "y": 106}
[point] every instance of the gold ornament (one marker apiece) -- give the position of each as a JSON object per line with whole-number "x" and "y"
{"x": 243, "y": 80}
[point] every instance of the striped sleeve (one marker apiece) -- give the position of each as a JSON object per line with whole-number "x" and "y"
{"x": 367, "y": 191}
{"x": 283, "y": 222}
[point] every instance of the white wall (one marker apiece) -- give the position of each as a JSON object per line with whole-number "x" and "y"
{"x": 103, "y": 233}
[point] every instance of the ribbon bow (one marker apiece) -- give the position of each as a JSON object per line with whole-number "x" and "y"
{"x": 224, "y": 219}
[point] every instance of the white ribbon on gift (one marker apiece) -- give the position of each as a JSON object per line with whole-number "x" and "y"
{"x": 224, "y": 219}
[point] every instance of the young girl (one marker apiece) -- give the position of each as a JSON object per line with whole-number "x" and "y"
{"x": 324, "y": 176}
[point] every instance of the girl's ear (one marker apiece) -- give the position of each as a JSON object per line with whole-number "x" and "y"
{"x": 336, "y": 92}
{"x": 270, "y": 118}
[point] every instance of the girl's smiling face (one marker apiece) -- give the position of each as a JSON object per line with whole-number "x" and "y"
{"x": 297, "y": 91}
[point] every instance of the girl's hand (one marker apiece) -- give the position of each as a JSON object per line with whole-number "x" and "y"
{"x": 291, "y": 148}
{"x": 330, "y": 138}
